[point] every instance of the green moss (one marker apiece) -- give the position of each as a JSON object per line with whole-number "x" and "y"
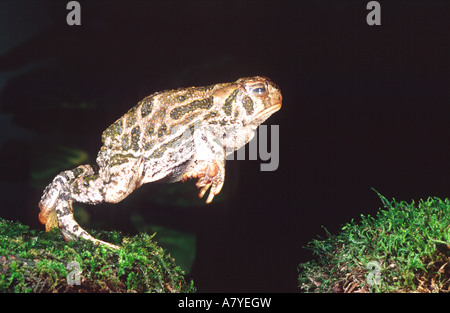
{"x": 35, "y": 261}
{"x": 409, "y": 243}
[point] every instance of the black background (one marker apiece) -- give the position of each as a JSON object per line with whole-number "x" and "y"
{"x": 363, "y": 107}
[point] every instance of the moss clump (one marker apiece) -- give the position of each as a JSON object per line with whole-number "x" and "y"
{"x": 36, "y": 261}
{"x": 409, "y": 245}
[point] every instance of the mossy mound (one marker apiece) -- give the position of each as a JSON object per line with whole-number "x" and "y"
{"x": 405, "y": 248}
{"x": 37, "y": 261}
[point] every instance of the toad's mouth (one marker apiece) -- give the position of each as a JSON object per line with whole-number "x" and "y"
{"x": 270, "y": 110}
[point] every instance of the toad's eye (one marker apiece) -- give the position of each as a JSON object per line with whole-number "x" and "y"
{"x": 259, "y": 90}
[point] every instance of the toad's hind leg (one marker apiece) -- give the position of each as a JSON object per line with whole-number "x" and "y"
{"x": 56, "y": 202}
{"x": 57, "y": 194}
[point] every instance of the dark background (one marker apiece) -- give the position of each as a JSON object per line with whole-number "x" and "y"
{"x": 363, "y": 107}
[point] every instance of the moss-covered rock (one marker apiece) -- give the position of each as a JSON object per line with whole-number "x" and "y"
{"x": 37, "y": 261}
{"x": 404, "y": 248}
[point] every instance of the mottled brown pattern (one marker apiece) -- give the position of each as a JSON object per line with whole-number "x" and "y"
{"x": 171, "y": 135}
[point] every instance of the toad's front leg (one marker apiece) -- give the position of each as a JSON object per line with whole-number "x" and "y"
{"x": 209, "y": 174}
{"x": 208, "y": 163}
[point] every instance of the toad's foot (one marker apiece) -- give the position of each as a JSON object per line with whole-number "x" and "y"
{"x": 70, "y": 229}
{"x": 81, "y": 233}
{"x": 210, "y": 174}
